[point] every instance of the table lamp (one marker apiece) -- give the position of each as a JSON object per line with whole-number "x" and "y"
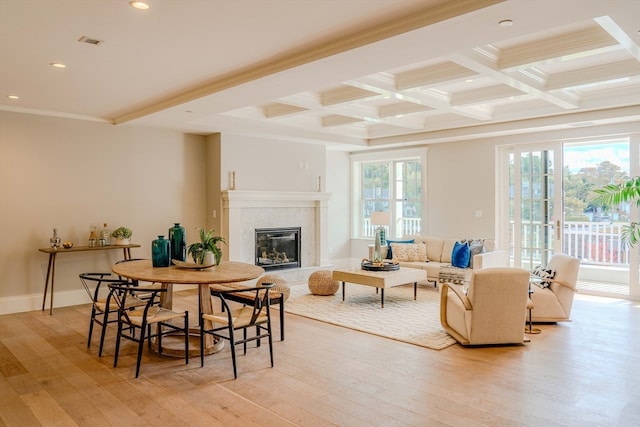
{"x": 380, "y": 219}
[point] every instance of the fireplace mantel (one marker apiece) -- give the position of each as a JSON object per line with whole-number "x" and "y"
{"x": 245, "y": 210}
{"x": 244, "y": 198}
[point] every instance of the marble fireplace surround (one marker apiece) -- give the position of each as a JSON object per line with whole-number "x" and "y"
{"x": 244, "y": 211}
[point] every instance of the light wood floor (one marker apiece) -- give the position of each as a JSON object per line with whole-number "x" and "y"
{"x": 584, "y": 373}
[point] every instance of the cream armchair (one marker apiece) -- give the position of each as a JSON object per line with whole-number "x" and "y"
{"x": 491, "y": 311}
{"x": 553, "y": 304}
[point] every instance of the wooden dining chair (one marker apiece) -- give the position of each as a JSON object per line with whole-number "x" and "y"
{"x": 135, "y": 323}
{"x": 103, "y": 308}
{"x": 254, "y": 316}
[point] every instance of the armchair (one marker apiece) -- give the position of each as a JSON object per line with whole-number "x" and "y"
{"x": 492, "y": 310}
{"x": 553, "y": 304}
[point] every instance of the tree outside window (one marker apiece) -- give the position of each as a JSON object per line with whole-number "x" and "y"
{"x": 394, "y": 187}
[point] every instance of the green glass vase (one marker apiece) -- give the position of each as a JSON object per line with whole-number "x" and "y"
{"x": 178, "y": 240}
{"x": 161, "y": 252}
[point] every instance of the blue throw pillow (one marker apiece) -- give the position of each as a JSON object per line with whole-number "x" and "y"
{"x": 461, "y": 255}
{"x": 389, "y": 242}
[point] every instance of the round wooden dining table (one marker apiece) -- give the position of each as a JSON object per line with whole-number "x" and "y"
{"x": 226, "y": 272}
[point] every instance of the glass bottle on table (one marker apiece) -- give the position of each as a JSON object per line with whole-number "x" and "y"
{"x": 55, "y": 239}
{"x": 106, "y": 234}
{"x": 93, "y": 237}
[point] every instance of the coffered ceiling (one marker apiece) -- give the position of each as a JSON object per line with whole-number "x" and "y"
{"x": 352, "y": 74}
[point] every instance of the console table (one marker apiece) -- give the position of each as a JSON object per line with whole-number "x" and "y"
{"x": 53, "y": 253}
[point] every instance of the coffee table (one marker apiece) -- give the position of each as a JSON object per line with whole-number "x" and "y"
{"x": 380, "y": 279}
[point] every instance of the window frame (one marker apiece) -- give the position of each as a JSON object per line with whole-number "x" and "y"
{"x": 391, "y": 157}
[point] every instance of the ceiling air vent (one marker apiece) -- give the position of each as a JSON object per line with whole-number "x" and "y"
{"x": 89, "y": 40}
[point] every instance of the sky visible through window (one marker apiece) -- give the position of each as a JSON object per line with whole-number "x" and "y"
{"x": 577, "y": 157}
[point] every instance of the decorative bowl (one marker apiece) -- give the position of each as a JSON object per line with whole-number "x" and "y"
{"x": 190, "y": 265}
{"x": 67, "y": 245}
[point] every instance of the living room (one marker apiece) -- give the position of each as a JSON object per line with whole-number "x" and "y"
{"x": 68, "y": 171}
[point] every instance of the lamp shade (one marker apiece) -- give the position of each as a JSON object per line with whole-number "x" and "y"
{"x": 380, "y": 218}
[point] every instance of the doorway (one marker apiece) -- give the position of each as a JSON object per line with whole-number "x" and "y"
{"x": 545, "y": 195}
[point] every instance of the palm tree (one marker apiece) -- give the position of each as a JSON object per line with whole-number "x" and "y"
{"x": 615, "y": 194}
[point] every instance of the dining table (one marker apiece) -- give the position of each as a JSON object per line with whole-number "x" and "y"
{"x": 189, "y": 274}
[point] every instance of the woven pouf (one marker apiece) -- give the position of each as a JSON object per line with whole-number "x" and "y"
{"x": 321, "y": 283}
{"x": 280, "y": 284}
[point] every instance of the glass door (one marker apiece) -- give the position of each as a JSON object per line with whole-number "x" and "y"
{"x": 532, "y": 230}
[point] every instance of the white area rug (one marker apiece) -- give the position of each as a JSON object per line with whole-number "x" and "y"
{"x": 401, "y": 319}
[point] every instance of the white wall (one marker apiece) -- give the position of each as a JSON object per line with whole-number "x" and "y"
{"x": 266, "y": 164}
{"x": 461, "y": 181}
{"x": 70, "y": 174}
{"x": 338, "y": 176}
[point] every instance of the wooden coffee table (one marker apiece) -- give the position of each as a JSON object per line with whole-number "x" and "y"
{"x": 381, "y": 279}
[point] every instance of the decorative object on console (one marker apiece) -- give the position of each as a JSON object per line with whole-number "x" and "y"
{"x": 161, "y": 252}
{"x": 93, "y": 237}
{"x": 461, "y": 255}
{"x": 208, "y": 243}
{"x": 122, "y": 235}
{"x": 106, "y": 234}
{"x": 54, "y": 241}
{"x": 178, "y": 239}
{"x": 380, "y": 219}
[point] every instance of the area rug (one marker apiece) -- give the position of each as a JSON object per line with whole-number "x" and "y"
{"x": 402, "y": 318}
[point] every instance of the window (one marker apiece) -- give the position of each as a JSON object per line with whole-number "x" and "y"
{"x": 388, "y": 182}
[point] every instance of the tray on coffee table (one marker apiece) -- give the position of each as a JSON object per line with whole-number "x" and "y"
{"x": 377, "y": 266}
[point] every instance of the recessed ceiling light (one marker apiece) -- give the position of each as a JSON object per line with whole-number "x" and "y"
{"x": 139, "y": 5}
{"x": 505, "y": 23}
{"x": 58, "y": 65}
{"x": 13, "y": 97}
{"x": 469, "y": 81}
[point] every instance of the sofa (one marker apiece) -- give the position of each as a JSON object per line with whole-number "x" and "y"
{"x": 434, "y": 254}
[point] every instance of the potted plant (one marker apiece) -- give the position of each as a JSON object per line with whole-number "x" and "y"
{"x": 122, "y": 235}
{"x": 208, "y": 244}
{"x": 626, "y": 192}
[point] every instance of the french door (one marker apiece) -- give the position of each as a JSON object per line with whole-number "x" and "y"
{"x": 531, "y": 222}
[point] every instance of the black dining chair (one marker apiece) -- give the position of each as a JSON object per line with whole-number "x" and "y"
{"x": 254, "y": 316}
{"x": 103, "y": 308}
{"x": 135, "y": 324}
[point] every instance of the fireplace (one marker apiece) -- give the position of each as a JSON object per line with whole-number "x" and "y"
{"x": 278, "y": 248}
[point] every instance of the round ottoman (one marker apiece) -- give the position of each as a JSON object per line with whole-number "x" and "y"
{"x": 280, "y": 284}
{"x": 321, "y": 283}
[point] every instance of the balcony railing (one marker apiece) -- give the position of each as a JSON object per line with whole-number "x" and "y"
{"x": 594, "y": 243}
{"x": 405, "y": 226}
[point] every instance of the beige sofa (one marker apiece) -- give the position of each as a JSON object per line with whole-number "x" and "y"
{"x": 438, "y": 254}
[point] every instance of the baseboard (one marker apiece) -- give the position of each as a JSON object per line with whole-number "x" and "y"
{"x": 23, "y": 303}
